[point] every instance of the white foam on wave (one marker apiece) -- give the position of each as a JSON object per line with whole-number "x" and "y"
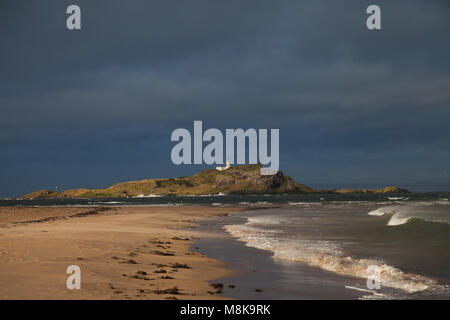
{"x": 401, "y": 214}
{"x": 111, "y": 202}
{"x": 326, "y": 255}
{"x": 259, "y": 203}
{"x": 305, "y": 204}
{"x": 383, "y": 210}
{"x": 265, "y": 220}
{"x": 398, "y": 198}
{"x": 147, "y": 196}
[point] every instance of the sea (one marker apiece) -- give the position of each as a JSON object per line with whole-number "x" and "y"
{"x": 316, "y": 246}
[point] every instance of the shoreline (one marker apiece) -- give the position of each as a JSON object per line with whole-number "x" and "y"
{"x": 259, "y": 276}
{"x": 176, "y": 252}
{"x": 125, "y": 252}
{"x": 329, "y": 256}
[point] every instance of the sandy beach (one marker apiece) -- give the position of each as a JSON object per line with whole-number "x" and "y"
{"x": 131, "y": 252}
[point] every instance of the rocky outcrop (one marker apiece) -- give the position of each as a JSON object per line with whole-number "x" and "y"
{"x": 224, "y": 181}
{"x": 247, "y": 179}
{"x": 389, "y": 189}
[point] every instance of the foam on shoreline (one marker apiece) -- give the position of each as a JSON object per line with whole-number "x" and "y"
{"x": 326, "y": 255}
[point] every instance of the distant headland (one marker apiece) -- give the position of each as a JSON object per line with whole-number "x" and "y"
{"x": 242, "y": 179}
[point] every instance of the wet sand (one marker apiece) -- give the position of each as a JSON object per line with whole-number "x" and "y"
{"x": 135, "y": 252}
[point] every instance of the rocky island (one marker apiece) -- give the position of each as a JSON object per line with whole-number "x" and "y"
{"x": 242, "y": 179}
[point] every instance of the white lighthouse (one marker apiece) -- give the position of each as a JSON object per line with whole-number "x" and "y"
{"x": 224, "y": 168}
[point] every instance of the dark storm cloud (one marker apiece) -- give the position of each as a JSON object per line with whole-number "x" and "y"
{"x": 309, "y": 67}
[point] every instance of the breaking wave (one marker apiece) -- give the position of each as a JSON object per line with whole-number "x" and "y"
{"x": 398, "y": 198}
{"x": 326, "y": 255}
{"x": 148, "y": 196}
{"x": 266, "y": 220}
{"x": 401, "y": 214}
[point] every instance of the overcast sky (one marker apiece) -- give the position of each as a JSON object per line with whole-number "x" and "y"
{"x": 94, "y": 107}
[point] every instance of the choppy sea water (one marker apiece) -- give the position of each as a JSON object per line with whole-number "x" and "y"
{"x": 243, "y": 200}
{"x": 408, "y": 241}
{"x": 406, "y": 236}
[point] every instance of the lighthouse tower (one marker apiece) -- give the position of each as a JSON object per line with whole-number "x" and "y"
{"x": 224, "y": 168}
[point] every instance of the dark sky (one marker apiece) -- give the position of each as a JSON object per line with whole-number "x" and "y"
{"x": 95, "y": 107}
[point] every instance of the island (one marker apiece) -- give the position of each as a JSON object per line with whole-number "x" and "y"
{"x": 241, "y": 179}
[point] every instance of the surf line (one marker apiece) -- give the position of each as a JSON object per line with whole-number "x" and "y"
{"x": 214, "y": 151}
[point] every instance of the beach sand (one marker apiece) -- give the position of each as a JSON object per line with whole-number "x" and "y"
{"x": 134, "y": 252}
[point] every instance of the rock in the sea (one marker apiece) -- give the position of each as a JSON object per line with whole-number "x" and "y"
{"x": 390, "y": 189}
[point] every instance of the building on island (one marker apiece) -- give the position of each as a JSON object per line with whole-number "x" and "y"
{"x": 224, "y": 168}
